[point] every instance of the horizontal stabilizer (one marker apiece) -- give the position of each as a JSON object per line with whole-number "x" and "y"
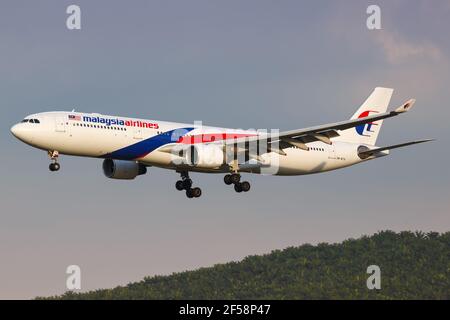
{"x": 367, "y": 153}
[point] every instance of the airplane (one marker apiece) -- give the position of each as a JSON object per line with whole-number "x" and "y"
{"x": 129, "y": 145}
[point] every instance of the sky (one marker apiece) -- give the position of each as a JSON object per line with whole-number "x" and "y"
{"x": 240, "y": 64}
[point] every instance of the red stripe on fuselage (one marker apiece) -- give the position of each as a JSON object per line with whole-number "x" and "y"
{"x": 212, "y": 137}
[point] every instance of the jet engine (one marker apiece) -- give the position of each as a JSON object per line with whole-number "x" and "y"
{"x": 205, "y": 156}
{"x": 122, "y": 169}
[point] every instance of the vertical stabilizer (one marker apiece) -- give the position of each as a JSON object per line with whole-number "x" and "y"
{"x": 367, "y": 133}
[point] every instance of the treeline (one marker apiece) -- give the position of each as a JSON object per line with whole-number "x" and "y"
{"x": 413, "y": 266}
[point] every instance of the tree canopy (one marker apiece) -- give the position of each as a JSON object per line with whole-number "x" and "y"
{"x": 414, "y": 265}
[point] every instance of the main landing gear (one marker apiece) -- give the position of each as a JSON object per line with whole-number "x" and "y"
{"x": 235, "y": 178}
{"x": 186, "y": 184}
{"x": 54, "y": 166}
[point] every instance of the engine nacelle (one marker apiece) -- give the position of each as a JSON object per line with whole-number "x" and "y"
{"x": 122, "y": 169}
{"x": 205, "y": 156}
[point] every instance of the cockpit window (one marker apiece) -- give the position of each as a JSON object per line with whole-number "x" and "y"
{"x": 31, "y": 121}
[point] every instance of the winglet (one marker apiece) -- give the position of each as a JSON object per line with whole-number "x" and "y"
{"x": 406, "y": 106}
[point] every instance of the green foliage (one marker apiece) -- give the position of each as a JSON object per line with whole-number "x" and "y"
{"x": 413, "y": 266}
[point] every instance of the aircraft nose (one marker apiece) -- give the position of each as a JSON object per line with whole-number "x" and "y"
{"x": 20, "y": 132}
{"x": 15, "y": 130}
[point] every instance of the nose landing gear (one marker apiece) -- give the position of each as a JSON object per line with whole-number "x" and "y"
{"x": 54, "y": 166}
{"x": 235, "y": 178}
{"x": 186, "y": 184}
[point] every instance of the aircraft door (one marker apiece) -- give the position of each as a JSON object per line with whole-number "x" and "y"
{"x": 60, "y": 124}
{"x": 331, "y": 151}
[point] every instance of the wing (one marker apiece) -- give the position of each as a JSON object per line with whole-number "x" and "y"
{"x": 300, "y": 137}
{"x": 324, "y": 133}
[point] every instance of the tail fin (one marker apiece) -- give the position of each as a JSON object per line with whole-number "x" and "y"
{"x": 377, "y": 102}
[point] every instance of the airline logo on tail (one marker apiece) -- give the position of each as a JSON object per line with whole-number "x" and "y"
{"x": 367, "y": 126}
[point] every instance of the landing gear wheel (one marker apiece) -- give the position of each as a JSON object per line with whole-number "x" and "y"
{"x": 197, "y": 192}
{"x": 179, "y": 185}
{"x": 235, "y": 178}
{"x": 238, "y": 187}
{"x": 189, "y": 193}
{"x": 54, "y": 166}
{"x": 187, "y": 183}
{"x": 227, "y": 179}
{"x": 245, "y": 186}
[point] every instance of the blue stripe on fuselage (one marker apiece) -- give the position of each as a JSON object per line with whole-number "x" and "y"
{"x": 144, "y": 147}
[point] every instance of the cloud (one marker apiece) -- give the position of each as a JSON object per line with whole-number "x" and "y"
{"x": 397, "y": 49}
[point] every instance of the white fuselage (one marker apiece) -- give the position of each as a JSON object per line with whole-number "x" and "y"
{"x": 101, "y": 136}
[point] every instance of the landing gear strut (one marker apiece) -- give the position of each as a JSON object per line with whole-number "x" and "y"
{"x": 186, "y": 184}
{"x": 54, "y": 166}
{"x": 235, "y": 178}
